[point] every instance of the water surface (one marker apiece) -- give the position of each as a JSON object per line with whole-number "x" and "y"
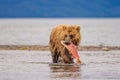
{"x": 36, "y": 31}
{"x": 34, "y": 65}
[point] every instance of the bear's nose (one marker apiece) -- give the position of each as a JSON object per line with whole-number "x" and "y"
{"x": 67, "y": 42}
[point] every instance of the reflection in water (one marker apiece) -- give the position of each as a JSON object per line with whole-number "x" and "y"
{"x": 35, "y": 65}
{"x": 69, "y": 72}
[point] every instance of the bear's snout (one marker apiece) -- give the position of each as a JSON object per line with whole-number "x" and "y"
{"x": 67, "y": 42}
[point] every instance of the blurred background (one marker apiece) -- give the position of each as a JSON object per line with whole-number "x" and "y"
{"x": 59, "y": 8}
{"x": 29, "y": 22}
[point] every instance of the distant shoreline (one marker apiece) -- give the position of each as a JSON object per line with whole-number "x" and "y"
{"x": 46, "y": 48}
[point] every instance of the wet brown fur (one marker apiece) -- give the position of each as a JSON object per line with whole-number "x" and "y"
{"x": 58, "y": 51}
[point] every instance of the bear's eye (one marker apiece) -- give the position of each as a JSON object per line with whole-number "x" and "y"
{"x": 71, "y": 36}
{"x": 65, "y": 35}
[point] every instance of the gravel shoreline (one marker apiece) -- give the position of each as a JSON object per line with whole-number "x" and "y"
{"x": 44, "y": 48}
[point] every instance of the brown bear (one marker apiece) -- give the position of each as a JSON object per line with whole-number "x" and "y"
{"x": 68, "y": 34}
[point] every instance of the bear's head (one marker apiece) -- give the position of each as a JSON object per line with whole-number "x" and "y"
{"x": 71, "y": 34}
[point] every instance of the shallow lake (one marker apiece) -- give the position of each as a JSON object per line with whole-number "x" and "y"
{"x": 96, "y": 31}
{"x": 34, "y": 65}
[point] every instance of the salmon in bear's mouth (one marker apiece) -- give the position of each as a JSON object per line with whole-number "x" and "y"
{"x": 73, "y": 50}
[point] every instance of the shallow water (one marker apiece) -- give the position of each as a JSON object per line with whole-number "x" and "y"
{"x": 96, "y": 31}
{"x": 34, "y": 65}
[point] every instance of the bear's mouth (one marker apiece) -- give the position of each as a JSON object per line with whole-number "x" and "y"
{"x": 67, "y": 43}
{"x": 73, "y": 50}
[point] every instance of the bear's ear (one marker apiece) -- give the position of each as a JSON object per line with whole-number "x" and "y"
{"x": 78, "y": 28}
{"x": 64, "y": 27}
